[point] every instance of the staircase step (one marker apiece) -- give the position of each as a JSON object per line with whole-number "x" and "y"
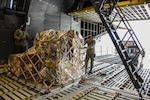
{"x": 129, "y": 61}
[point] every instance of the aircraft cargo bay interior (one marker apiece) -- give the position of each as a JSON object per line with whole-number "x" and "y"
{"x": 74, "y": 50}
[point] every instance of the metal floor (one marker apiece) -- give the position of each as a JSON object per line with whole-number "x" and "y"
{"x": 109, "y": 81}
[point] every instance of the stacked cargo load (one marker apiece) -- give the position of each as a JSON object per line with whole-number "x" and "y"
{"x": 56, "y": 57}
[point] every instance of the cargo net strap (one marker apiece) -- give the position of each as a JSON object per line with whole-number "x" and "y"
{"x": 55, "y": 58}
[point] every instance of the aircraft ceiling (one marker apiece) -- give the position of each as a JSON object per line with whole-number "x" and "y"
{"x": 134, "y": 11}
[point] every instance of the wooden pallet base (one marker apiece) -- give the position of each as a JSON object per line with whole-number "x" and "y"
{"x": 13, "y": 90}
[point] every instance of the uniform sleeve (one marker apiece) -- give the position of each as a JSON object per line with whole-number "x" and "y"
{"x": 27, "y": 35}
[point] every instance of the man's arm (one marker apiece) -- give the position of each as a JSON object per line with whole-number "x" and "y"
{"x": 28, "y": 36}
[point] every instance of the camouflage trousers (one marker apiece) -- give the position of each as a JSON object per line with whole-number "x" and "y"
{"x": 91, "y": 58}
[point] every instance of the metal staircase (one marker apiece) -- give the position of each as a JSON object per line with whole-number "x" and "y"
{"x": 105, "y": 8}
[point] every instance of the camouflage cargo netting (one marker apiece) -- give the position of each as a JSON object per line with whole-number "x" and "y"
{"x": 55, "y": 57}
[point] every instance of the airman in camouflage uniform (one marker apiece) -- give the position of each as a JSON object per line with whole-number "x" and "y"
{"x": 90, "y": 52}
{"x": 20, "y": 37}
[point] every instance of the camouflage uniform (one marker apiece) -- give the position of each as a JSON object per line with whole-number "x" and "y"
{"x": 90, "y": 54}
{"x": 20, "y": 37}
